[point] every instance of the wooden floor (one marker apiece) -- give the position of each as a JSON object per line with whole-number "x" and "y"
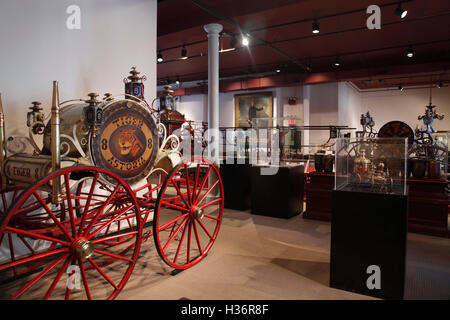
{"x": 259, "y": 257}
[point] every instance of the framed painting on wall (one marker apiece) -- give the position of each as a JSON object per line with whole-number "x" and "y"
{"x": 253, "y": 105}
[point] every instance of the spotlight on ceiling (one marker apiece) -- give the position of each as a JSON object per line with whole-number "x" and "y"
{"x": 245, "y": 40}
{"x": 309, "y": 65}
{"x": 233, "y": 42}
{"x": 315, "y": 27}
{"x": 400, "y": 11}
{"x": 277, "y": 69}
{"x": 440, "y": 85}
{"x": 410, "y": 52}
{"x": 400, "y": 87}
{"x": 337, "y": 63}
{"x": 160, "y": 57}
{"x": 184, "y": 53}
{"x": 178, "y": 80}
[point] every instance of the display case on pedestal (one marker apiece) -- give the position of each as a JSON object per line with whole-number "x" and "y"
{"x": 369, "y": 219}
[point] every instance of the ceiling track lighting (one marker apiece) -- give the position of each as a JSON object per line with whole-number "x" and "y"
{"x": 184, "y": 53}
{"x": 400, "y": 11}
{"x": 160, "y": 57}
{"x": 337, "y": 63}
{"x": 245, "y": 40}
{"x": 400, "y": 87}
{"x": 178, "y": 80}
{"x": 315, "y": 27}
{"x": 278, "y": 69}
{"x": 440, "y": 85}
{"x": 410, "y": 52}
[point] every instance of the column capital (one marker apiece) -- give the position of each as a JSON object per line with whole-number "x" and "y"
{"x": 213, "y": 28}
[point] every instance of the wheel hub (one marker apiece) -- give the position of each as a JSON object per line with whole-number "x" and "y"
{"x": 197, "y": 213}
{"x": 84, "y": 249}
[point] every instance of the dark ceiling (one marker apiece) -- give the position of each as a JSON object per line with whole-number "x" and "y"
{"x": 281, "y": 37}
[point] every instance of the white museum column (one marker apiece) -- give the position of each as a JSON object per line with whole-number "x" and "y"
{"x": 213, "y": 30}
{"x": 306, "y": 105}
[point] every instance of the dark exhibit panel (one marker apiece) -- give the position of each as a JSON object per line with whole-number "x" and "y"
{"x": 319, "y": 196}
{"x": 428, "y": 207}
{"x": 368, "y": 230}
{"x": 279, "y": 195}
{"x": 236, "y": 179}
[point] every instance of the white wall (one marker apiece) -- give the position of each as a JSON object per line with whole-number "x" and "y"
{"x": 333, "y": 104}
{"x": 406, "y": 105}
{"x": 37, "y": 48}
{"x": 323, "y": 110}
{"x": 349, "y": 104}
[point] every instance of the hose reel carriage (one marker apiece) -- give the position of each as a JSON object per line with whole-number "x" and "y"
{"x": 75, "y": 212}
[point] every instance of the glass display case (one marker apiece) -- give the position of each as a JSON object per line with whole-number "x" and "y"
{"x": 375, "y": 165}
{"x": 295, "y": 143}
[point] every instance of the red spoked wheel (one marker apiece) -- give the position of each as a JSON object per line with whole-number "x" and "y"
{"x": 74, "y": 239}
{"x": 188, "y": 213}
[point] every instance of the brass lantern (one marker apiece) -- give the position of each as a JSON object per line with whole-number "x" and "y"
{"x": 93, "y": 114}
{"x": 166, "y": 99}
{"x": 134, "y": 85}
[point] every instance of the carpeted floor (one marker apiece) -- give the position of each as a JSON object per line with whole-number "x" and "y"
{"x": 258, "y": 257}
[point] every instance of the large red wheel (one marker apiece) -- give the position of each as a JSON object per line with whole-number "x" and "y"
{"x": 75, "y": 239}
{"x": 188, "y": 213}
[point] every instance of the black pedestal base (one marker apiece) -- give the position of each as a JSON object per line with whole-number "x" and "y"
{"x": 369, "y": 229}
{"x": 279, "y": 195}
{"x": 236, "y": 179}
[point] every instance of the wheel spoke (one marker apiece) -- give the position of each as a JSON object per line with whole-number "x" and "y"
{"x": 88, "y": 203}
{"x": 204, "y": 228}
{"x": 168, "y": 204}
{"x": 58, "y": 223}
{"x": 196, "y": 181}
{"x": 210, "y": 217}
{"x": 205, "y": 178}
{"x": 113, "y": 255}
{"x": 189, "y": 243}
{"x": 187, "y": 183}
{"x": 164, "y": 226}
{"x": 32, "y": 258}
{"x": 181, "y": 242}
{"x": 210, "y": 203}
{"x": 175, "y": 233}
{"x": 197, "y": 238}
{"x": 114, "y": 237}
{"x": 58, "y": 276}
{"x": 102, "y": 273}
{"x": 208, "y": 191}
{"x": 83, "y": 275}
{"x": 180, "y": 193}
{"x": 69, "y": 203}
{"x": 39, "y": 276}
{"x": 118, "y": 215}
{"x": 36, "y": 235}
{"x": 100, "y": 211}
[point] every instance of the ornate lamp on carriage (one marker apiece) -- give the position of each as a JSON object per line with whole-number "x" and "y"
{"x": 134, "y": 85}
{"x": 170, "y": 117}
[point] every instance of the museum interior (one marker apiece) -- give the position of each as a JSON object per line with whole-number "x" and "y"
{"x": 225, "y": 150}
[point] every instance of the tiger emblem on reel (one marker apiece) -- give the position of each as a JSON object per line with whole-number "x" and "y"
{"x": 127, "y": 141}
{"x": 129, "y": 144}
